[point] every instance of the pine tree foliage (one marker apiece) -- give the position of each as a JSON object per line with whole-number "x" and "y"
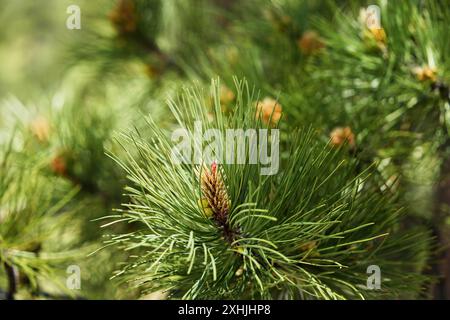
{"x": 363, "y": 176}
{"x": 310, "y": 231}
{"x": 34, "y": 211}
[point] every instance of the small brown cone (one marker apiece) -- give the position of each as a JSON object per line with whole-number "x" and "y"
{"x": 425, "y": 73}
{"x": 215, "y": 193}
{"x": 310, "y": 43}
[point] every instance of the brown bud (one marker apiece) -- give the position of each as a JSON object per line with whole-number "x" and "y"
{"x": 341, "y": 135}
{"x": 310, "y": 43}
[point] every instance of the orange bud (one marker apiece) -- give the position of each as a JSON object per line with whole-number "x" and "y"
{"x": 269, "y": 110}
{"x": 123, "y": 16}
{"x": 425, "y": 73}
{"x": 59, "y": 166}
{"x": 378, "y": 34}
{"x": 341, "y": 135}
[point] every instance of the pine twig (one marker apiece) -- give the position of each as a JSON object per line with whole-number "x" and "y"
{"x": 12, "y": 283}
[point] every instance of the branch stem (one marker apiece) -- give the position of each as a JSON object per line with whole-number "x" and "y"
{"x": 12, "y": 283}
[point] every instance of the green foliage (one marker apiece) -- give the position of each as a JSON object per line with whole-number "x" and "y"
{"x": 34, "y": 211}
{"x": 309, "y": 231}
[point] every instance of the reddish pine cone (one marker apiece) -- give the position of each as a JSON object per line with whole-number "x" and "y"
{"x": 40, "y": 128}
{"x": 215, "y": 193}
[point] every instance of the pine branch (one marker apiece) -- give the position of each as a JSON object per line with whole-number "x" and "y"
{"x": 12, "y": 283}
{"x": 308, "y": 232}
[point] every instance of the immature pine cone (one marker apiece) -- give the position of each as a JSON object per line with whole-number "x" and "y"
{"x": 215, "y": 192}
